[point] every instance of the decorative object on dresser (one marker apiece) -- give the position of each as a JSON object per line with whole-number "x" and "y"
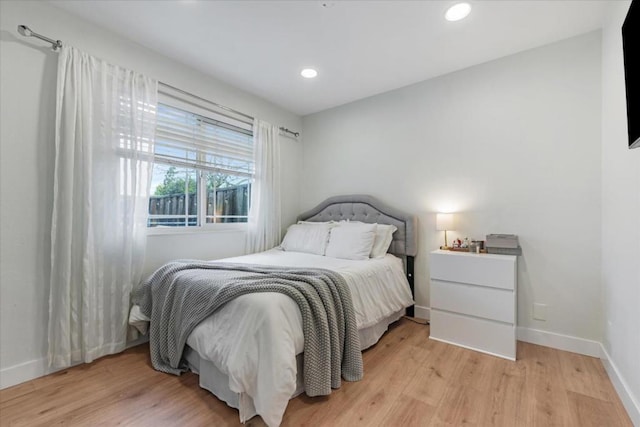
{"x": 503, "y": 244}
{"x": 451, "y": 248}
{"x": 444, "y": 222}
{"x": 474, "y": 301}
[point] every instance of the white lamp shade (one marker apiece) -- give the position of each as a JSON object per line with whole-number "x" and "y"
{"x": 444, "y": 222}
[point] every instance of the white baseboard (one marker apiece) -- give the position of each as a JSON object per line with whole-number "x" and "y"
{"x": 422, "y": 312}
{"x": 17, "y": 374}
{"x": 559, "y": 341}
{"x": 631, "y": 403}
{"x": 536, "y": 336}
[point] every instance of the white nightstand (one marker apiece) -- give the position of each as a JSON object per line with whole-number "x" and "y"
{"x": 474, "y": 302}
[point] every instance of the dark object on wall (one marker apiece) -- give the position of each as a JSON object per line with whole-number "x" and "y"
{"x": 631, "y": 47}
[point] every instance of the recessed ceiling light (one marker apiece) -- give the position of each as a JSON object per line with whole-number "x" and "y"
{"x": 308, "y": 73}
{"x": 458, "y": 11}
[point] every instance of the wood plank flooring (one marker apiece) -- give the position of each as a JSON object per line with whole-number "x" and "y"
{"x": 409, "y": 381}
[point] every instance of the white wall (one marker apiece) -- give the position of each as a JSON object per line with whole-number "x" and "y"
{"x": 512, "y": 144}
{"x": 27, "y": 112}
{"x": 620, "y": 221}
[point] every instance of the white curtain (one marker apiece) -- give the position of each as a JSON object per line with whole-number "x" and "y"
{"x": 105, "y": 124}
{"x": 264, "y": 215}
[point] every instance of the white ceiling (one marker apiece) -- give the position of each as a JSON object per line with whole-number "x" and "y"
{"x": 360, "y": 48}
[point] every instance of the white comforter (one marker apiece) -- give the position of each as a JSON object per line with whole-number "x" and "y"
{"x": 255, "y": 338}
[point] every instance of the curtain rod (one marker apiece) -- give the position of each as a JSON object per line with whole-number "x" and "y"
{"x": 285, "y": 130}
{"x": 57, "y": 44}
{"x": 28, "y": 32}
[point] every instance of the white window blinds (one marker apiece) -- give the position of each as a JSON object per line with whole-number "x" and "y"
{"x": 184, "y": 138}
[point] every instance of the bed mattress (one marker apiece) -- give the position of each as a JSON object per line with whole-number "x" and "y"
{"x": 212, "y": 379}
{"x": 254, "y": 339}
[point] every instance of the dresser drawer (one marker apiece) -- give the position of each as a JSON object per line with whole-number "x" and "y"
{"x": 490, "y": 303}
{"x": 487, "y": 336}
{"x": 498, "y": 271}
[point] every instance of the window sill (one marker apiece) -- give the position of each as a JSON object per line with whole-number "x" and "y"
{"x": 208, "y": 229}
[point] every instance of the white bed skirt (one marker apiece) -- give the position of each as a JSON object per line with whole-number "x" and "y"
{"x": 213, "y": 380}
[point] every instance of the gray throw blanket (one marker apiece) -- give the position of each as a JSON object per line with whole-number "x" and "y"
{"x": 181, "y": 294}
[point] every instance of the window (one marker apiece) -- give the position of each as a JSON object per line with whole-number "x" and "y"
{"x": 203, "y": 168}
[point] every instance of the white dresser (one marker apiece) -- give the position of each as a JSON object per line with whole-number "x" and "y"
{"x": 473, "y": 301}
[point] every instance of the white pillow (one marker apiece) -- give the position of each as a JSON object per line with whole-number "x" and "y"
{"x": 351, "y": 241}
{"x": 318, "y": 222}
{"x": 384, "y": 236}
{"x": 308, "y": 238}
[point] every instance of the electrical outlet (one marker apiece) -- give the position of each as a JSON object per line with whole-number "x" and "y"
{"x": 539, "y": 311}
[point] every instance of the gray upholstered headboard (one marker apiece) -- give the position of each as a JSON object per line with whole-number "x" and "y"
{"x": 365, "y": 208}
{"x": 369, "y": 209}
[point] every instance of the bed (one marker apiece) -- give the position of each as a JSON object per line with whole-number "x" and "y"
{"x": 250, "y": 352}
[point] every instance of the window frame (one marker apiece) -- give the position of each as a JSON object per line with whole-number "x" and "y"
{"x": 196, "y": 107}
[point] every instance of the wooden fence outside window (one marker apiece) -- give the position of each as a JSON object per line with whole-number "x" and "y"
{"x": 232, "y": 205}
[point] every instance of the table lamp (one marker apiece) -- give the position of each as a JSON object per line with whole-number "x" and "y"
{"x": 444, "y": 222}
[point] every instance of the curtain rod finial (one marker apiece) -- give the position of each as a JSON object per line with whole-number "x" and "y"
{"x": 25, "y": 31}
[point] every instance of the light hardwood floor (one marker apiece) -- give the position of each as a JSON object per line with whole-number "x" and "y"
{"x": 409, "y": 381}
